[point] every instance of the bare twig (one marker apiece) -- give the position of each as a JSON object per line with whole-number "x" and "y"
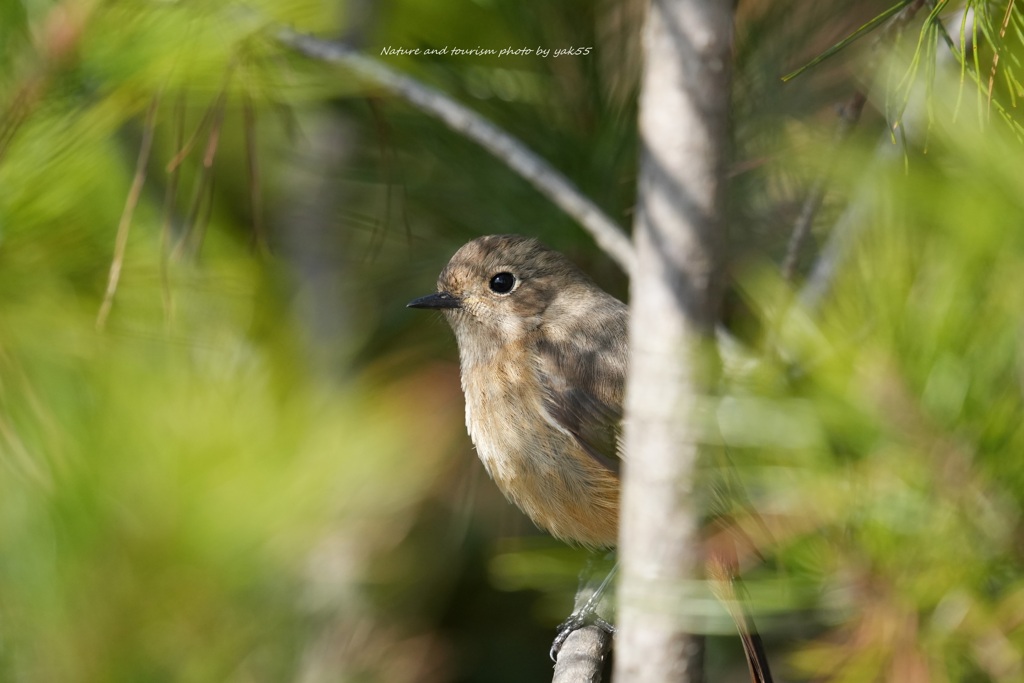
{"x": 124, "y": 226}
{"x": 546, "y": 179}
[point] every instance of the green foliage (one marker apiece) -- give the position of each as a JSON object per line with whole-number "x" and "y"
{"x": 195, "y": 489}
{"x": 861, "y": 31}
{"x": 182, "y": 496}
{"x": 212, "y": 482}
{"x": 881, "y": 446}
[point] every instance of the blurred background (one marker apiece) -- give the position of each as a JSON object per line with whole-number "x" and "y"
{"x": 229, "y": 453}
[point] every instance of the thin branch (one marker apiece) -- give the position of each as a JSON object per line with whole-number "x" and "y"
{"x": 192, "y": 239}
{"x": 185, "y": 149}
{"x": 852, "y": 220}
{"x": 843, "y": 234}
{"x": 995, "y": 51}
{"x": 259, "y": 235}
{"x": 124, "y": 226}
{"x": 385, "y": 152}
{"x": 546, "y": 179}
{"x": 199, "y": 233}
{"x": 58, "y": 36}
{"x": 859, "y": 33}
{"x": 169, "y": 196}
{"x": 15, "y": 114}
{"x": 849, "y": 114}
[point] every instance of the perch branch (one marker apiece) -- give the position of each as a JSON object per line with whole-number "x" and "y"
{"x": 581, "y": 659}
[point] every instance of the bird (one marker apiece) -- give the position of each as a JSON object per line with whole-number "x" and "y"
{"x": 543, "y": 355}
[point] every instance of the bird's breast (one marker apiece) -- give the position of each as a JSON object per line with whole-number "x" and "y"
{"x": 537, "y": 465}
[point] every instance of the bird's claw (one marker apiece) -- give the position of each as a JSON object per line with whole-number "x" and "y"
{"x": 576, "y": 621}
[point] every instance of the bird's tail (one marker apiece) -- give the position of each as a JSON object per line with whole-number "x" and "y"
{"x": 724, "y": 583}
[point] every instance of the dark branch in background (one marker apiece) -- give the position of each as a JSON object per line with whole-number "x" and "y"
{"x": 842, "y": 234}
{"x": 840, "y": 240}
{"x": 259, "y": 233}
{"x": 125, "y": 224}
{"x": 547, "y": 180}
{"x": 849, "y": 114}
{"x": 388, "y": 162}
{"x": 58, "y": 36}
{"x": 902, "y": 12}
{"x": 194, "y": 230}
{"x": 166, "y": 238}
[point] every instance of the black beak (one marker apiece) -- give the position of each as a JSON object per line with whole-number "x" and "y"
{"x": 438, "y": 300}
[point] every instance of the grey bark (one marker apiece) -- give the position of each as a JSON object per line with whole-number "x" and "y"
{"x": 581, "y": 659}
{"x": 684, "y": 109}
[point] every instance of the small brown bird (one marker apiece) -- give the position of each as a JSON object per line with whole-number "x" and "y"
{"x": 543, "y": 355}
{"x": 543, "y": 358}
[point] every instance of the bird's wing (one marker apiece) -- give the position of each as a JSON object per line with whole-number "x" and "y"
{"x": 582, "y": 381}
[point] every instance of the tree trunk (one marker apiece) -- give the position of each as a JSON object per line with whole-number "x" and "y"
{"x": 684, "y": 107}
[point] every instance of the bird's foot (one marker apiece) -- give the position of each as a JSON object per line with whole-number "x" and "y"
{"x": 587, "y": 616}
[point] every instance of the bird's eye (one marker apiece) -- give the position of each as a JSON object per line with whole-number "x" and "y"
{"x": 502, "y": 283}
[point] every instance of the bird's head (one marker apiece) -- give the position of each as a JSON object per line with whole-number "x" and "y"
{"x": 497, "y": 288}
